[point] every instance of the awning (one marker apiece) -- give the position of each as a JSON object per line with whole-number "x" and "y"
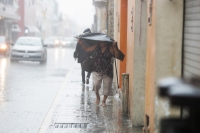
{"x": 33, "y": 29}
{"x": 15, "y": 28}
{"x": 10, "y": 16}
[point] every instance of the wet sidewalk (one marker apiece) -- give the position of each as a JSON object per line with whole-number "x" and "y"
{"x": 74, "y": 110}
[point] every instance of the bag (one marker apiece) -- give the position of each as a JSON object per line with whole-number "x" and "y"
{"x": 88, "y": 64}
{"x": 75, "y": 54}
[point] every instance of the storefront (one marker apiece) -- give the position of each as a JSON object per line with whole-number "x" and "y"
{"x": 191, "y": 39}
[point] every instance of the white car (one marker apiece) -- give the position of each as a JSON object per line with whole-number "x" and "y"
{"x": 52, "y": 42}
{"x": 29, "y": 49}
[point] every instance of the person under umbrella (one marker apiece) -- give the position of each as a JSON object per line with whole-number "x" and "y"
{"x": 81, "y": 55}
{"x": 103, "y": 51}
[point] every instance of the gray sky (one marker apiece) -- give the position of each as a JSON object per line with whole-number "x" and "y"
{"x": 82, "y": 11}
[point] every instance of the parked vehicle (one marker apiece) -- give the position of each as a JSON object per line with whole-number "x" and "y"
{"x": 52, "y": 42}
{"x": 69, "y": 42}
{"x": 4, "y": 46}
{"x": 29, "y": 49}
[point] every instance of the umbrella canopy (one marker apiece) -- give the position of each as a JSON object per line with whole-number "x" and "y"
{"x": 95, "y": 37}
{"x": 90, "y": 39}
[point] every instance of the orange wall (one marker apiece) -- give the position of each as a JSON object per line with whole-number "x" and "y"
{"x": 123, "y": 37}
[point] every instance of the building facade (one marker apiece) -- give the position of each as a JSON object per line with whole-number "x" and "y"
{"x": 101, "y": 16}
{"x": 150, "y": 33}
{"x": 38, "y": 18}
{"x": 47, "y": 17}
{"x": 9, "y": 18}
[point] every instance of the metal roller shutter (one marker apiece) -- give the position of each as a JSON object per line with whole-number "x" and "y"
{"x": 191, "y": 45}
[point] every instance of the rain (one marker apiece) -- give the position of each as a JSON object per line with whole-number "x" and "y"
{"x": 99, "y": 66}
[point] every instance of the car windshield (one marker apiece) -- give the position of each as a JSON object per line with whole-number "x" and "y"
{"x": 29, "y": 41}
{"x": 2, "y": 39}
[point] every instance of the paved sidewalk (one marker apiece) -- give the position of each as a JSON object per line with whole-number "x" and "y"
{"x": 74, "y": 110}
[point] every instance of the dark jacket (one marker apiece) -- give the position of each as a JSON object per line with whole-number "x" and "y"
{"x": 79, "y": 53}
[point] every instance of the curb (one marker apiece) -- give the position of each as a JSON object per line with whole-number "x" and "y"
{"x": 48, "y": 118}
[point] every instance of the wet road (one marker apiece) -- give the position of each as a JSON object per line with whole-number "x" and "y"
{"x": 27, "y": 90}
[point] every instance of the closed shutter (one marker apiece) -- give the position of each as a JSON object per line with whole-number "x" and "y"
{"x": 191, "y": 43}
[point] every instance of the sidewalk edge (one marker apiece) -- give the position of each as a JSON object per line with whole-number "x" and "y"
{"x": 48, "y": 118}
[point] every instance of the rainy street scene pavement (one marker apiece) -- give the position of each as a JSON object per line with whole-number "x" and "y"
{"x": 29, "y": 88}
{"x": 143, "y": 56}
{"x": 75, "y": 111}
{"x": 49, "y": 98}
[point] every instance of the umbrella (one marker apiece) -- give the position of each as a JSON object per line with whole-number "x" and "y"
{"x": 89, "y": 39}
{"x": 95, "y": 37}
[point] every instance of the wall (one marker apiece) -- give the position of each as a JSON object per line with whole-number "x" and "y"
{"x": 101, "y": 18}
{"x": 122, "y": 43}
{"x": 164, "y": 50}
{"x": 130, "y": 51}
{"x": 30, "y": 15}
{"x": 139, "y": 62}
{"x": 111, "y": 18}
{"x": 116, "y": 32}
{"x": 21, "y": 13}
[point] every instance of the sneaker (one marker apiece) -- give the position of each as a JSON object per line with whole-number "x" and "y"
{"x": 87, "y": 81}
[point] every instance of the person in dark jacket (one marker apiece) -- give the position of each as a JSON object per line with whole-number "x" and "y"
{"x": 103, "y": 67}
{"x": 81, "y": 55}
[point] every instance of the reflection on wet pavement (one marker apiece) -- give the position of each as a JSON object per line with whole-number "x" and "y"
{"x": 3, "y": 63}
{"x": 78, "y": 113}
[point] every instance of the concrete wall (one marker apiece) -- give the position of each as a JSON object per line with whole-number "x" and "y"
{"x": 116, "y": 32}
{"x": 169, "y": 20}
{"x": 164, "y": 45}
{"x": 139, "y": 62}
{"x": 111, "y": 18}
{"x": 101, "y": 18}
{"x": 153, "y": 52}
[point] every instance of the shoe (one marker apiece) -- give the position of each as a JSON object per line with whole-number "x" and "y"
{"x": 87, "y": 81}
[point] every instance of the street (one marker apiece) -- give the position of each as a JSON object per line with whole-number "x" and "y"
{"x": 27, "y": 89}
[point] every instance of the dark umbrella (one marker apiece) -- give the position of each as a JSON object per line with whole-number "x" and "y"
{"x": 89, "y": 39}
{"x": 93, "y": 37}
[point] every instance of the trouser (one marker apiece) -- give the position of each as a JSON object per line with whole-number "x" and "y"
{"x": 83, "y": 74}
{"x": 98, "y": 79}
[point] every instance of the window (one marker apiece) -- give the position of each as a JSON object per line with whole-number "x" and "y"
{"x": 9, "y": 2}
{"x": 2, "y": 1}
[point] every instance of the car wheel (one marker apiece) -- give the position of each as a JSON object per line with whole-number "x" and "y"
{"x": 12, "y": 61}
{"x": 43, "y": 61}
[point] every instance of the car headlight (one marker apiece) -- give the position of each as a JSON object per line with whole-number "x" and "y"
{"x": 3, "y": 46}
{"x": 63, "y": 42}
{"x": 56, "y": 41}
